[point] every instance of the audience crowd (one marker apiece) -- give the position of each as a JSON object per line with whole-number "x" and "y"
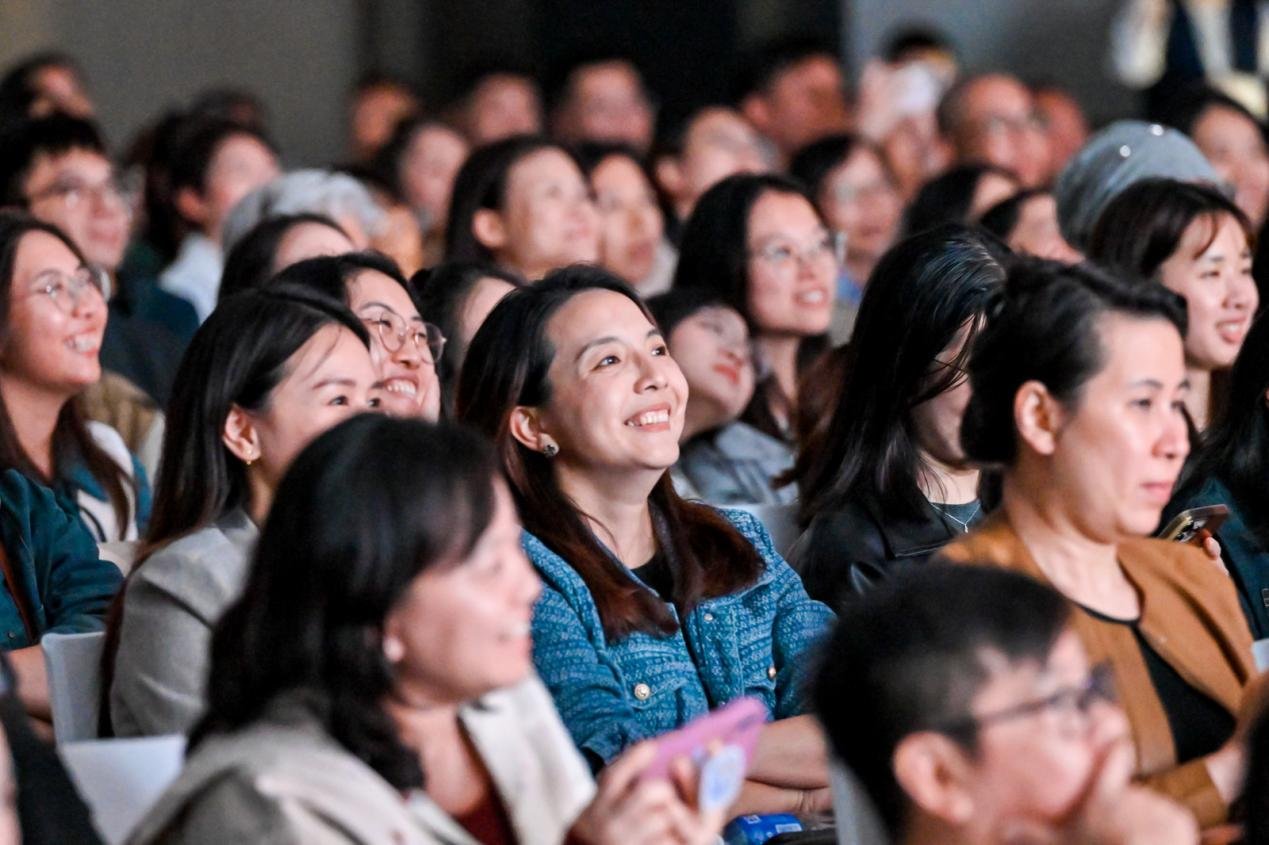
{"x": 464, "y": 490}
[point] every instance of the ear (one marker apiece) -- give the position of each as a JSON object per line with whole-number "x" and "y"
{"x": 1037, "y": 416}
{"x": 757, "y": 112}
{"x": 669, "y": 175}
{"x": 934, "y": 773}
{"x": 191, "y": 206}
{"x": 527, "y": 428}
{"x": 489, "y": 229}
{"x": 240, "y": 436}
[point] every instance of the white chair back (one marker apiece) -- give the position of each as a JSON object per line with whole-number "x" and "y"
{"x": 855, "y": 817}
{"x": 74, "y": 683}
{"x": 780, "y": 520}
{"x": 121, "y": 779}
{"x": 1260, "y": 654}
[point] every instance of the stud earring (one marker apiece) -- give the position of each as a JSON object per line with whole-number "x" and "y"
{"x": 550, "y": 450}
{"x": 393, "y": 649}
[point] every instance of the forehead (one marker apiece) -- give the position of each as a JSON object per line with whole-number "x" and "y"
{"x": 1206, "y": 231}
{"x": 996, "y": 94}
{"x": 778, "y": 212}
{"x": 617, "y": 168}
{"x": 332, "y": 348}
{"x": 79, "y": 161}
{"x": 716, "y": 314}
{"x": 1012, "y": 682}
{"x": 548, "y": 163}
{"x": 716, "y": 123}
{"x": 1139, "y": 348}
{"x": 809, "y": 70}
{"x": 596, "y": 313}
{"x": 1224, "y": 119}
{"x": 600, "y": 78}
{"x": 241, "y": 144}
{"x": 38, "y": 251}
{"x": 371, "y": 286}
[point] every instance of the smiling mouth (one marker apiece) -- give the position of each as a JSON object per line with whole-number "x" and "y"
{"x": 401, "y": 387}
{"x": 815, "y": 296}
{"x": 1232, "y": 331}
{"x": 82, "y": 343}
{"x": 654, "y": 417}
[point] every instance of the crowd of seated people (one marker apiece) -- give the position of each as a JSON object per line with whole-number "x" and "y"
{"x": 471, "y": 488}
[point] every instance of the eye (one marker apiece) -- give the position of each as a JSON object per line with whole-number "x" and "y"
{"x": 660, "y": 350}
{"x": 780, "y": 253}
{"x": 339, "y": 401}
{"x": 1143, "y": 404}
{"x": 374, "y": 402}
{"x": 608, "y": 361}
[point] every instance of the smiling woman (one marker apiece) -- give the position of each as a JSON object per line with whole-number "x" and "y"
{"x": 642, "y": 591}
{"x": 53, "y": 313}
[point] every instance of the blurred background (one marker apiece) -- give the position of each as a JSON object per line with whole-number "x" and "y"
{"x": 303, "y": 56}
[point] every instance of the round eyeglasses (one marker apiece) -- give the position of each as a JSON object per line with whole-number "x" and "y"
{"x": 394, "y": 331}
{"x": 67, "y": 290}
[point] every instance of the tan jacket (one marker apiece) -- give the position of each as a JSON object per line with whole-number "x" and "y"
{"x": 285, "y": 780}
{"x": 1189, "y": 615}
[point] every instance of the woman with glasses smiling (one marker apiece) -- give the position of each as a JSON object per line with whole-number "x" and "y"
{"x": 53, "y": 312}
{"x": 758, "y": 243}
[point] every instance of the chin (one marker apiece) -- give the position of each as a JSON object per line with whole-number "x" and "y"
{"x": 401, "y": 406}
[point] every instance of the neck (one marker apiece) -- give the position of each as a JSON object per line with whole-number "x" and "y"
{"x": 1084, "y": 569}
{"x": 781, "y": 354}
{"x": 923, "y": 829}
{"x": 1199, "y": 400}
{"x": 33, "y": 411}
{"x": 260, "y": 496}
{"x": 859, "y": 267}
{"x": 616, "y": 508}
{"x": 947, "y": 484}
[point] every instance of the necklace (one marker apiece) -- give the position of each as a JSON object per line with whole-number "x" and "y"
{"x": 963, "y": 523}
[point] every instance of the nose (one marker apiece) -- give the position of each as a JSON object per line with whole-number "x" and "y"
{"x": 651, "y": 373}
{"x": 1174, "y": 440}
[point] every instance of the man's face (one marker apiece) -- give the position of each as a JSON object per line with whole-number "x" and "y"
{"x": 999, "y": 125}
{"x": 806, "y": 102}
{"x": 79, "y": 192}
{"x": 609, "y": 105}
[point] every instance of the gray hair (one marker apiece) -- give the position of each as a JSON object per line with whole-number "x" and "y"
{"x": 336, "y": 195}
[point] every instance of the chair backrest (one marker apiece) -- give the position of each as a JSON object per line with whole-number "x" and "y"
{"x": 780, "y": 521}
{"x": 856, "y": 818}
{"x": 121, "y": 779}
{"x": 1260, "y": 654}
{"x": 74, "y": 683}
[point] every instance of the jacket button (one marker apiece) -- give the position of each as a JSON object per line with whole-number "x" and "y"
{"x": 708, "y": 617}
{"x": 642, "y": 692}
{"x": 771, "y": 672}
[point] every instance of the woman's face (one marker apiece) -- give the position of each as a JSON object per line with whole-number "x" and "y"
{"x": 328, "y": 379}
{"x": 548, "y": 219}
{"x": 936, "y": 422}
{"x": 860, "y": 201}
{"x": 428, "y": 170}
{"x": 792, "y": 267}
{"x": 398, "y": 345}
{"x": 309, "y": 240}
{"x": 484, "y": 295}
{"x": 616, "y": 396}
{"x": 1236, "y": 149}
{"x": 1117, "y": 453}
{"x": 712, "y": 349}
{"x": 465, "y": 627}
{"x": 57, "y": 317}
{"x": 1214, "y": 276}
{"x": 630, "y": 221}
{"x": 1037, "y": 232}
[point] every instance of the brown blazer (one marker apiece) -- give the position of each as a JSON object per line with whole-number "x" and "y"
{"x": 1189, "y": 615}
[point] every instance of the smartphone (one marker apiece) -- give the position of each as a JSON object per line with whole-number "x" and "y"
{"x": 732, "y": 728}
{"x": 1185, "y": 525}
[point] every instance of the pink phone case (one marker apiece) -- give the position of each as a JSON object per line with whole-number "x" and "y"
{"x": 737, "y": 723}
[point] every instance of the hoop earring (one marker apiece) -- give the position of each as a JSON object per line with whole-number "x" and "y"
{"x": 550, "y": 450}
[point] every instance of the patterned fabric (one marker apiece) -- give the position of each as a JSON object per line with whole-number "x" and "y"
{"x": 610, "y": 695}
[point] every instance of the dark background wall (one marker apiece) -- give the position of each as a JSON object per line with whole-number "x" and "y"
{"x": 302, "y": 56}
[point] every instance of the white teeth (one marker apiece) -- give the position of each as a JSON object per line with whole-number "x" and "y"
{"x": 403, "y": 387}
{"x": 650, "y": 418}
{"x": 812, "y": 297}
{"x": 80, "y": 343}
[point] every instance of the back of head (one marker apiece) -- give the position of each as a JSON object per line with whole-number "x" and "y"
{"x": 948, "y": 197}
{"x": 22, "y": 143}
{"x": 335, "y": 195}
{"x": 482, "y": 183}
{"x": 812, "y": 164}
{"x": 714, "y": 249}
{"x": 911, "y": 655}
{"x": 924, "y": 292}
{"x": 236, "y": 359}
{"x": 1043, "y": 325}
{"x": 1143, "y": 226}
{"x": 1120, "y": 155}
{"x": 253, "y": 259}
{"x": 19, "y": 88}
{"x": 314, "y": 621}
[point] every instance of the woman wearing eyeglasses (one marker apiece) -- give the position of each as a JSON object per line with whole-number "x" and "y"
{"x": 759, "y": 245}
{"x": 404, "y": 348}
{"x": 1078, "y": 397}
{"x": 53, "y": 313}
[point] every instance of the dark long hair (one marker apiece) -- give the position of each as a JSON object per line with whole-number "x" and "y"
{"x": 250, "y": 263}
{"x": 482, "y": 183}
{"x": 507, "y": 366}
{"x": 325, "y": 576}
{"x": 1236, "y": 446}
{"x": 924, "y": 291}
{"x": 947, "y": 198}
{"x": 714, "y": 254}
{"x": 72, "y": 440}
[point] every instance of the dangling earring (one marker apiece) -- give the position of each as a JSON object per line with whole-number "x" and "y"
{"x": 550, "y": 450}
{"x": 393, "y": 649}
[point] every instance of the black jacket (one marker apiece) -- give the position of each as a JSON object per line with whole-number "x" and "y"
{"x": 849, "y": 550}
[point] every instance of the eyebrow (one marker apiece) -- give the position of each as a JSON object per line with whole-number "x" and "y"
{"x": 600, "y": 341}
{"x": 338, "y": 381}
{"x": 377, "y": 304}
{"x": 1155, "y": 384}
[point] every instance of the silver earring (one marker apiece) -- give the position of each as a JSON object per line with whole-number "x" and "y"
{"x": 550, "y": 450}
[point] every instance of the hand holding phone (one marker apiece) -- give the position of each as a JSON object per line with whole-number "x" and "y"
{"x": 718, "y": 745}
{"x": 1188, "y": 523}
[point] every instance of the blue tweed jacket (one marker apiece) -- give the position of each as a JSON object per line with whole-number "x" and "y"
{"x": 611, "y": 695}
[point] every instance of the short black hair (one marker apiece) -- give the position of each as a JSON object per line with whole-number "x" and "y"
{"x": 1043, "y": 325}
{"x": 17, "y": 87}
{"x": 912, "y": 38}
{"x": 908, "y": 657}
{"x": 25, "y": 141}
{"x": 773, "y": 58}
{"x": 250, "y": 263}
{"x": 947, "y": 197}
{"x": 1002, "y": 218}
{"x": 677, "y": 304}
{"x": 1187, "y": 105}
{"x": 561, "y": 82}
{"x": 196, "y": 144}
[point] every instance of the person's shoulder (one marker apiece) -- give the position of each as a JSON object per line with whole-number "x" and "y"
{"x": 1182, "y": 567}
{"x": 31, "y": 503}
{"x": 210, "y": 559}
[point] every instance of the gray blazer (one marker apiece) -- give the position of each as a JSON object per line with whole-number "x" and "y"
{"x": 283, "y": 780}
{"x": 170, "y": 606}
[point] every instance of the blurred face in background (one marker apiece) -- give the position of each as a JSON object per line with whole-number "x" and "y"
{"x": 859, "y": 200}
{"x": 79, "y": 192}
{"x": 428, "y": 168}
{"x": 792, "y": 267}
{"x": 1064, "y": 125}
{"x": 718, "y": 143}
{"x": 607, "y": 102}
{"x": 803, "y": 103}
{"x": 1235, "y": 145}
{"x": 630, "y": 221}
{"x": 502, "y": 105}
{"x": 998, "y": 124}
{"x": 374, "y": 115}
{"x": 712, "y": 349}
{"x": 1037, "y": 232}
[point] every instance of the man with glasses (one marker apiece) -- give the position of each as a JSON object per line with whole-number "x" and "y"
{"x": 992, "y": 119}
{"x": 57, "y": 169}
{"x": 962, "y": 701}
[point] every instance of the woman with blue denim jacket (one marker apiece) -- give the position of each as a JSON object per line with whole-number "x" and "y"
{"x": 654, "y": 610}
